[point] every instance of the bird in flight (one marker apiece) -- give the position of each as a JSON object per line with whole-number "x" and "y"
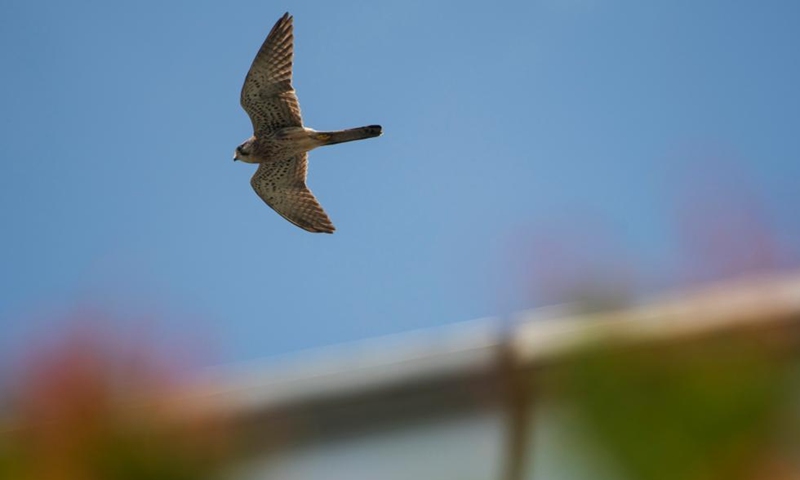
{"x": 280, "y": 143}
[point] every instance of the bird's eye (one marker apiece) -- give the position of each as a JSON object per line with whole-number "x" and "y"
{"x": 239, "y": 149}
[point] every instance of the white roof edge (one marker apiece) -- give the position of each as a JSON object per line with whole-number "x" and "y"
{"x": 749, "y": 300}
{"x": 471, "y": 347}
{"x": 358, "y": 366}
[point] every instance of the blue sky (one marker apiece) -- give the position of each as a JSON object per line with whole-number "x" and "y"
{"x": 605, "y": 122}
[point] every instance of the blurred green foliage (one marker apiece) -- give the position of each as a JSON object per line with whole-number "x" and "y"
{"x": 697, "y": 410}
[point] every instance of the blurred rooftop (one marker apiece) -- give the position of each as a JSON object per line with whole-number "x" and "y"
{"x": 431, "y": 367}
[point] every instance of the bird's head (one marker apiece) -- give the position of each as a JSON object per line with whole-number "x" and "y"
{"x": 244, "y": 152}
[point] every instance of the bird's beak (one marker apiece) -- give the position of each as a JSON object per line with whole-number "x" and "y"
{"x": 234, "y": 158}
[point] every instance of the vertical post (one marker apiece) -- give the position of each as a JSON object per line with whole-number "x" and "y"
{"x": 518, "y": 405}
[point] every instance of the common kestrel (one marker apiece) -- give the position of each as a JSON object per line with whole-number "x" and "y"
{"x": 280, "y": 143}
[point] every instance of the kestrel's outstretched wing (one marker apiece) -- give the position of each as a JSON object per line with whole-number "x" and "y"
{"x": 282, "y": 185}
{"x": 267, "y": 94}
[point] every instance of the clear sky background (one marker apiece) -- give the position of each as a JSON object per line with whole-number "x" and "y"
{"x": 517, "y": 136}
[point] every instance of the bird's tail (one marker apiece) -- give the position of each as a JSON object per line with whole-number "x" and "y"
{"x": 349, "y": 135}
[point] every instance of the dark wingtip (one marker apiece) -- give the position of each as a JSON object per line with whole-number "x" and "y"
{"x": 286, "y": 18}
{"x": 320, "y": 228}
{"x": 375, "y": 129}
{"x": 282, "y": 24}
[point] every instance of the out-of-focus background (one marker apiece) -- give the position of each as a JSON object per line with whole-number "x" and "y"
{"x": 610, "y": 165}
